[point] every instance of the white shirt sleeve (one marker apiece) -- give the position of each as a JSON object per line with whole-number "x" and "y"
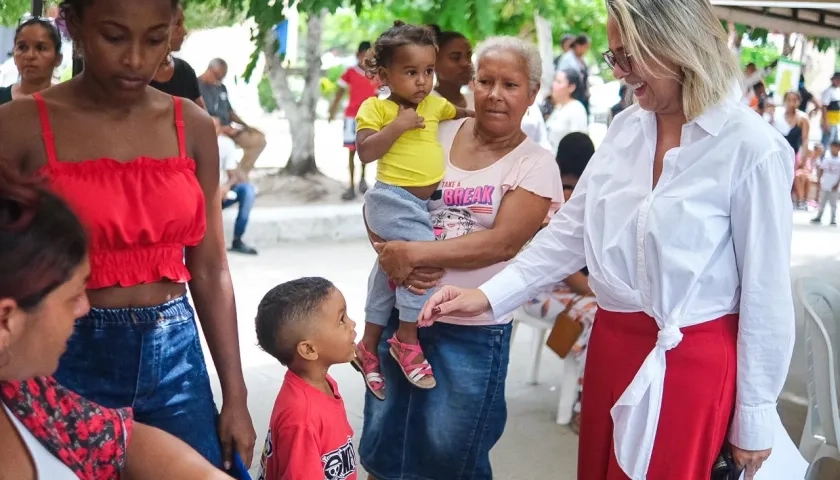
{"x": 826, "y": 97}
{"x": 554, "y": 254}
{"x": 761, "y": 231}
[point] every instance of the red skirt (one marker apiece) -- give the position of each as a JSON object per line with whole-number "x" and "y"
{"x": 697, "y": 403}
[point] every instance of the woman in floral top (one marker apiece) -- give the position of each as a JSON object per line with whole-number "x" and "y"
{"x": 48, "y": 431}
{"x": 573, "y": 154}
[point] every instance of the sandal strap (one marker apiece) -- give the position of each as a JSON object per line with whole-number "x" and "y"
{"x": 369, "y": 360}
{"x": 407, "y": 354}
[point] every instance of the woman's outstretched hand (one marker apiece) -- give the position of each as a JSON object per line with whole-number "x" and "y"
{"x": 454, "y": 302}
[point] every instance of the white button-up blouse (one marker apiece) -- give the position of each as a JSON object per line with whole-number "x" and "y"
{"x": 711, "y": 238}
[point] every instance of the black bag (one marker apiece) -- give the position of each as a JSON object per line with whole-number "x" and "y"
{"x": 724, "y": 467}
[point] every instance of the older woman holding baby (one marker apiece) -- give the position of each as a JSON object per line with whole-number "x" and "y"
{"x": 497, "y": 191}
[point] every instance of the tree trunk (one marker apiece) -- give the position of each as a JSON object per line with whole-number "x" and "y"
{"x": 300, "y": 113}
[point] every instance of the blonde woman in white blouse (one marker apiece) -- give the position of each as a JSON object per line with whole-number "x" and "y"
{"x": 683, "y": 218}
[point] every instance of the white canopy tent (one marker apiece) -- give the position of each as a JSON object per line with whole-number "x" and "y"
{"x": 817, "y": 18}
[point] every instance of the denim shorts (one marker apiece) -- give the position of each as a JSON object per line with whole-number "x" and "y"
{"x": 149, "y": 359}
{"x": 445, "y": 433}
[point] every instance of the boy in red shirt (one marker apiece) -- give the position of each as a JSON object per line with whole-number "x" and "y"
{"x": 303, "y": 324}
{"x": 355, "y": 81}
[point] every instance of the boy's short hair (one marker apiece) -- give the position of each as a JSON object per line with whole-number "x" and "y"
{"x": 285, "y": 314}
{"x": 835, "y": 143}
{"x": 364, "y": 47}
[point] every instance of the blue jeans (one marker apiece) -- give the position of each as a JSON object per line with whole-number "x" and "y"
{"x": 245, "y": 196}
{"x": 827, "y": 138}
{"x": 393, "y": 213}
{"x": 149, "y": 359}
{"x": 445, "y": 433}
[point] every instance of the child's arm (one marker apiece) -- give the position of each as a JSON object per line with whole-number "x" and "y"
{"x": 339, "y": 94}
{"x": 294, "y": 455}
{"x": 372, "y": 145}
{"x": 463, "y": 113}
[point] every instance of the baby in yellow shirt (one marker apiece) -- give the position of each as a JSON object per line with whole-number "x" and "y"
{"x": 401, "y": 132}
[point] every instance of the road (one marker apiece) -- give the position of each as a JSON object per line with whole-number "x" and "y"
{"x": 533, "y": 447}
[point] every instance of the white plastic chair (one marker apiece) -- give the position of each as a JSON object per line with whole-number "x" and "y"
{"x": 569, "y": 381}
{"x": 820, "y": 437}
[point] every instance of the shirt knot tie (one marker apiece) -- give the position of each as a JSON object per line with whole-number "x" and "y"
{"x": 669, "y": 337}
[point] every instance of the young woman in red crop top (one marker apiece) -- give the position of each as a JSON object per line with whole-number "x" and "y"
{"x": 141, "y": 170}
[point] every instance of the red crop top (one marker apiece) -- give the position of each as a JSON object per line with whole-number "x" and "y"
{"x": 139, "y": 214}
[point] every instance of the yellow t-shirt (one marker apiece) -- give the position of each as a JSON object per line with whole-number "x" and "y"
{"x": 416, "y": 158}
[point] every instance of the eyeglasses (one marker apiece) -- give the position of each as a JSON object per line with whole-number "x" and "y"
{"x": 623, "y": 60}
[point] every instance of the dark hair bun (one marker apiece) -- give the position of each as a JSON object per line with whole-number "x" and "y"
{"x": 398, "y": 23}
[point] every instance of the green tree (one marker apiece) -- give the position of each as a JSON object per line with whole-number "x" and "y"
{"x": 11, "y": 11}
{"x": 365, "y": 19}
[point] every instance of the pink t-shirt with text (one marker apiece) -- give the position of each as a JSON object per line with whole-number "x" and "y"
{"x": 470, "y": 200}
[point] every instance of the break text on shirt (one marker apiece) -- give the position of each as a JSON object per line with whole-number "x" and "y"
{"x": 454, "y": 195}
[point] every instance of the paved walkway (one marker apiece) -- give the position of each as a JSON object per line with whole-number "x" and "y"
{"x": 533, "y": 446}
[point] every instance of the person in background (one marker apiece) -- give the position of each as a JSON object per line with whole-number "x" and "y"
{"x": 754, "y": 76}
{"x": 565, "y": 44}
{"x": 574, "y": 60}
{"x": 453, "y": 67}
{"x": 37, "y": 53}
{"x": 360, "y": 87}
{"x": 147, "y": 193}
{"x": 215, "y": 95}
{"x": 48, "y": 431}
{"x": 235, "y": 188}
{"x": 683, "y": 218}
{"x": 568, "y": 114}
{"x": 758, "y": 101}
{"x": 793, "y": 124}
{"x": 804, "y": 175}
{"x": 624, "y": 101}
{"x": 175, "y": 76}
{"x": 573, "y": 155}
{"x": 807, "y": 97}
{"x": 829, "y": 180}
{"x": 303, "y": 324}
{"x": 831, "y": 110}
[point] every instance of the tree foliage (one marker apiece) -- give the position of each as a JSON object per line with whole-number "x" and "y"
{"x": 11, "y": 11}
{"x": 476, "y": 19}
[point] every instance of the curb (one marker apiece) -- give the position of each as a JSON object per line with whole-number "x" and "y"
{"x": 268, "y": 226}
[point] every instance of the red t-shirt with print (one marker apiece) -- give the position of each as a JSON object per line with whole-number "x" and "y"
{"x": 309, "y": 436}
{"x": 359, "y": 88}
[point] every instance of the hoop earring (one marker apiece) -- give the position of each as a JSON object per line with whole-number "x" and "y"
{"x": 168, "y": 57}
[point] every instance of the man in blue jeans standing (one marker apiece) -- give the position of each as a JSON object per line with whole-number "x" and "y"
{"x": 235, "y": 189}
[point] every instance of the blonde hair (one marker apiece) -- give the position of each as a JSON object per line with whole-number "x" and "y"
{"x": 686, "y": 33}
{"x": 525, "y": 50}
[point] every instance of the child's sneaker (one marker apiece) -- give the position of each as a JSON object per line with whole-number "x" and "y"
{"x": 816, "y": 221}
{"x": 367, "y": 364}
{"x": 418, "y": 374}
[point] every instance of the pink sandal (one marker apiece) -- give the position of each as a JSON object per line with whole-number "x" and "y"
{"x": 418, "y": 374}
{"x": 367, "y": 364}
